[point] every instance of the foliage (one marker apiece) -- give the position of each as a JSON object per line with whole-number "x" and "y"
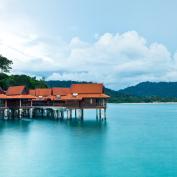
{"x": 14, "y": 80}
{"x": 57, "y": 83}
{"x": 5, "y": 64}
{"x": 152, "y": 89}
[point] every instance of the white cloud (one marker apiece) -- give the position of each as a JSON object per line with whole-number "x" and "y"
{"x": 117, "y": 60}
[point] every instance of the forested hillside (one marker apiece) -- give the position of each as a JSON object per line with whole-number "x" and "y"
{"x": 149, "y": 89}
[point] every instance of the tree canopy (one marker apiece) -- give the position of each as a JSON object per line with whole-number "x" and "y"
{"x": 5, "y": 64}
{"x": 14, "y": 80}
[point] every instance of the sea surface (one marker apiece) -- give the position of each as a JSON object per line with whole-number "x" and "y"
{"x": 137, "y": 140}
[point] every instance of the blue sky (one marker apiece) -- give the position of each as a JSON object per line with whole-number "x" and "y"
{"x": 119, "y": 43}
{"x": 154, "y": 19}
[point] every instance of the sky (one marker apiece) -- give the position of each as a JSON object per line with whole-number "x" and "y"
{"x": 117, "y": 42}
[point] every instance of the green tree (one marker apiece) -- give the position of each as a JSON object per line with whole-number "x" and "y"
{"x": 5, "y": 64}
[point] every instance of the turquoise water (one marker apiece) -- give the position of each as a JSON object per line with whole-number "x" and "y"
{"x": 136, "y": 141}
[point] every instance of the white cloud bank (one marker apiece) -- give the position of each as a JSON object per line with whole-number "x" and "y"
{"x": 117, "y": 60}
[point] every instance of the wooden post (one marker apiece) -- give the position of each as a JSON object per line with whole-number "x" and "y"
{"x": 20, "y": 103}
{"x": 99, "y": 113}
{"x": 10, "y": 112}
{"x": 20, "y": 110}
{"x": 45, "y": 113}
{"x": 96, "y": 113}
{"x": 59, "y": 114}
{"x": 104, "y": 113}
{"x": 70, "y": 113}
{"x": 62, "y": 114}
{"x": 79, "y": 113}
{"x": 31, "y": 113}
{"x": 75, "y": 113}
{"x": 13, "y": 113}
{"x": 20, "y": 113}
{"x": 67, "y": 112}
{"x": 5, "y": 103}
{"x": 82, "y": 113}
{"x": 42, "y": 110}
{"x": 6, "y": 114}
{"x": 55, "y": 114}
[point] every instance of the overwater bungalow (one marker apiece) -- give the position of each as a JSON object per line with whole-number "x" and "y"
{"x": 18, "y": 102}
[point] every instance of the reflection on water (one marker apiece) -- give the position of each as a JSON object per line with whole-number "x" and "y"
{"x": 31, "y": 126}
{"x": 136, "y": 141}
{"x": 51, "y": 148}
{"x": 73, "y": 123}
{"x": 86, "y": 125}
{"x": 15, "y": 125}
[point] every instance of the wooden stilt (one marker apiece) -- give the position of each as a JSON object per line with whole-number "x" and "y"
{"x": 62, "y": 114}
{"x": 82, "y": 113}
{"x": 104, "y": 113}
{"x": 75, "y": 113}
{"x": 45, "y": 113}
{"x": 79, "y": 113}
{"x": 5, "y": 114}
{"x": 20, "y": 113}
{"x": 67, "y": 114}
{"x": 20, "y": 110}
{"x": 59, "y": 114}
{"x": 99, "y": 113}
{"x": 5, "y": 103}
{"x": 70, "y": 113}
{"x": 96, "y": 113}
{"x": 42, "y": 111}
{"x": 31, "y": 113}
{"x": 55, "y": 114}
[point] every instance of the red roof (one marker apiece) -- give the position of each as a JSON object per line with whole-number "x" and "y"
{"x": 76, "y": 92}
{"x": 60, "y": 91}
{"x": 32, "y": 92}
{"x": 15, "y": 90}
{"x": 43, "y": 92}
{"x": 3, "y": 96}
{"x": 87, "y": 88}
